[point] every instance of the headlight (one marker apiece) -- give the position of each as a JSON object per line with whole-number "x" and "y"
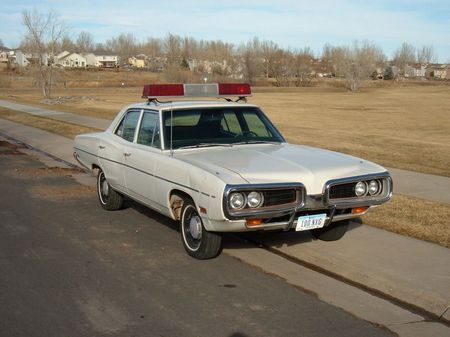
{"x": 254, "y": 199}
{"x": 361, "y": 189}
{"x": 237, "y": 201}
{"x": 374, "y": 187}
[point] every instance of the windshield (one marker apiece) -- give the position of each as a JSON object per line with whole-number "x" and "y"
{"x": 218, "y": 127}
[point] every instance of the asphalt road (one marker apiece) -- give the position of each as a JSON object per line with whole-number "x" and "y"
{"x": 69, "y": 268}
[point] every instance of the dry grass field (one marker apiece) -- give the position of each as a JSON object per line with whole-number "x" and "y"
{"x": 397, "y": 125}
{"x": 400, "y": 126}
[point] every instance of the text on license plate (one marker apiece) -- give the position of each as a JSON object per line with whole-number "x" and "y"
{"x": 307, "y": 222}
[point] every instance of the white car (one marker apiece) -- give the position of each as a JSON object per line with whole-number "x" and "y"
{"x": 222, "y": 166}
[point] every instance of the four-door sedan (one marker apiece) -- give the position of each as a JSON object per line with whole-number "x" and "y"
{"x": 222, "y": 166}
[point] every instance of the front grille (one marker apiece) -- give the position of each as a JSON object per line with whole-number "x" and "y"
{"x": 279, "y": 197}
{"x": 342, "y": 191}
{"x": 348, "y": 189}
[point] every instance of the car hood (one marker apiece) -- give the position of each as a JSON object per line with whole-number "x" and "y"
{"x": 273, "y": 163}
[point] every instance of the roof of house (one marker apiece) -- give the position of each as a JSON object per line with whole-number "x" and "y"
{"x": 70, "y": 54}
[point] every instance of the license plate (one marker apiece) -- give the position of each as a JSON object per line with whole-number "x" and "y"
{"x": 310, "y": 222}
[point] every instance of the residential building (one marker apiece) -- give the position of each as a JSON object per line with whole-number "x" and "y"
{"x": 21, "y": 59}
{"x": 61, "y": 55}
{"x": 442, "y": 72}
{"x": 137, "y": 61}
{"x": 106, "y": 60}
{"x": 415, "y": 70}
{"x": 72, "y": 60}
{"x": 5, "y": 54}
{"x": 91, "y": 61}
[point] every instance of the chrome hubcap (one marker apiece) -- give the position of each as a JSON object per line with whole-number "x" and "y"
{"x": 195, "y": 227}
{"x": 104, "y": 187}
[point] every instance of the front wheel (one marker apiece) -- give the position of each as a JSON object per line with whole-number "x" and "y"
{"x": 109, "y": 199}
{"x": 197, "y": 241}
{"x": 332, "y": 232}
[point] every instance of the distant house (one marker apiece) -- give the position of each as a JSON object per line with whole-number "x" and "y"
{"x": 91, "y": 60}
{"x": 5, "y": 54}
{"x": 415, "y": 70}
{"x": 61, "y": 55}
{"x": 137, "y": 61}
{"x": 106, "y": 60}
{"x": 21, "y": 59}
{"x": 442, "y": 72}
{"x": 71, "y": 60}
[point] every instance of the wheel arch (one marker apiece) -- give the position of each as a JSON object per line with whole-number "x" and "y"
{"x": 176, "y": 201}
{"x": 95, "y": 169}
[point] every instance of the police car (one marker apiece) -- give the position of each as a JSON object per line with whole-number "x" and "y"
{"x": 220, "y": 165}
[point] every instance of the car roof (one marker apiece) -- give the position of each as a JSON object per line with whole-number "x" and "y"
{"x": 188, "y": 104}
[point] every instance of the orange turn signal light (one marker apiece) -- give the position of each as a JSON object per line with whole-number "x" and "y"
{"x": 359, "y": 210}
{"x": 254, "y": 222}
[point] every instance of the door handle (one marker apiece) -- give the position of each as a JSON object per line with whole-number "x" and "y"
{"x": 127, "y": 154}
{"x": 101, "y": 147}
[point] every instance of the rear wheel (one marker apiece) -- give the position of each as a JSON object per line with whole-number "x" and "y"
{"x": 332, "y": 232}
{"x": 197, "y": 241}
{"x": 109, "y": 199}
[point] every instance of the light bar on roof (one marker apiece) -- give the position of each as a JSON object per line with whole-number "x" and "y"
{"x": 197, "y": 90}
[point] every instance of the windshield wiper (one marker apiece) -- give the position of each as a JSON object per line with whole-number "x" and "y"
{"x": 257, "y": 142}
{"x": 204, "y": 145}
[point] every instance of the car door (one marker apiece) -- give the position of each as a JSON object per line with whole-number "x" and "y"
{"x": 112, "y": 149}
{"x": 140, "y": 160}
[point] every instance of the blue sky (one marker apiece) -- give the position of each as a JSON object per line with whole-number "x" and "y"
{"x": 294, "y": 24}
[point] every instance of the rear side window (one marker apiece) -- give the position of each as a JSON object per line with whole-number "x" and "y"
{"x": 149, "y": 130}
{"x": 127, "y": 127}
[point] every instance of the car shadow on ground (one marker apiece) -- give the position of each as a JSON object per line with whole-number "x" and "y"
{"x": 152, "y": 214}
{"x": 290, "y": 238}
{"x": 240, "y": 240}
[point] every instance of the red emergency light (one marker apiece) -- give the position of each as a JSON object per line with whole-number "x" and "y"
{"x": 196, "y": 90}
{"x": 234, "y": 89}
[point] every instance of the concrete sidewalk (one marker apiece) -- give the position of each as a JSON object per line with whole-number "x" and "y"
{"x": 421, "y": 185}
{"x": 92, "y": 122}
{"x": 413, "y": 271}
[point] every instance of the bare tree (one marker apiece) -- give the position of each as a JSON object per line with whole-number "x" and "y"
{"x": 357, "y": 63}
{"x": 172, "y": 48}
{"x": 26, "y": 45}
{"x": 426, "y": 55}
{"x": 44, "y": 33}
{"x": 124, "y": 45}
{"x": 282, "y": 67}
{"x": 269, "y": 53}
{"x": 404, "y": 55}
{"x": 251, "y": 60}
{"x": 302, "y": 67}
{"x": 85, "y": 42}
{"x": 67, "y": 44}
{"x": 152, "y": 47}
